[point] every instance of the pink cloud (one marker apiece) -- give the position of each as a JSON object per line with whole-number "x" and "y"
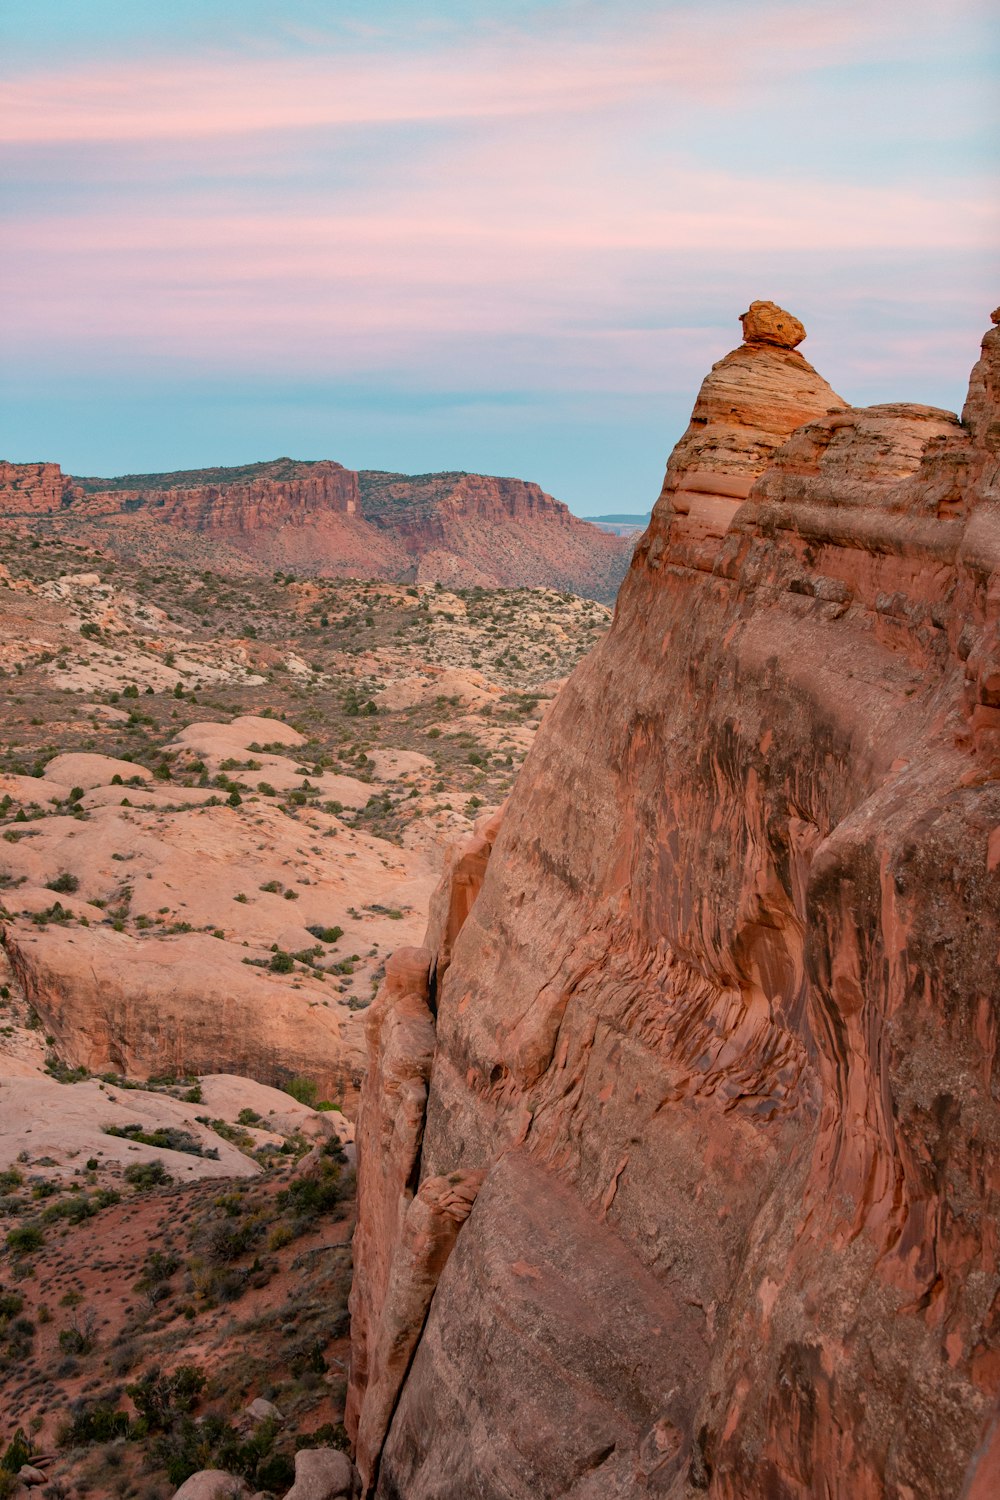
{"x": 520, "y": 226}
{"x": 696, "y": 52}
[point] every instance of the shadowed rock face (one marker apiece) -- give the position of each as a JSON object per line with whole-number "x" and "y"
{"x": 719, "y": 1029}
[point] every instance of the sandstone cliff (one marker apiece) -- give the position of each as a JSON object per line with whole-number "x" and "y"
{"x": 231, "y": 501}
{"x": 467, "y": 529}
{"x": 460, "y": 529}
{"x": 712, "y": 1018}
{"x": 34, "y": 489}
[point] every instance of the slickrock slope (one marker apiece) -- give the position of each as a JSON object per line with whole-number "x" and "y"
{"x": 461, "y": 529}
{"x": 718, "y": 1033}
{"x": 161, "y": 998}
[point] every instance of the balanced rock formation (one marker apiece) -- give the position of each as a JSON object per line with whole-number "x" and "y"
{"x": 715, "y": 1046}
{"x": 767, "y": 323}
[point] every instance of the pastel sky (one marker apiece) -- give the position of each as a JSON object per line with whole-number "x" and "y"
{"x": 465, "y": 234}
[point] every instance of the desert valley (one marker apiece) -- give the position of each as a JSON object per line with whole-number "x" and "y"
{"x": 227, "y": 793}
{"x": 458, "y": 1042}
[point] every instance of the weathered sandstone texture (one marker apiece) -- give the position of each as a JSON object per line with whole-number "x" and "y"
{"x": 766, "y": 323}
{"x": 718, "y": 1033}
{"x": 156, "y": 1007}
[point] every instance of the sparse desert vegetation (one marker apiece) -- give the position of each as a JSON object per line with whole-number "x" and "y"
{"x": 222, "y": 805}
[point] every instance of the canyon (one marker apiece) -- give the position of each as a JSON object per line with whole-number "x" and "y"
{"x": 462, "y": 530}
{"x": 679, "y": 1136}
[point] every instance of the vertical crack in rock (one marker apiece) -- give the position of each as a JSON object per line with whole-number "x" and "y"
{"x": 406, "y": 1229}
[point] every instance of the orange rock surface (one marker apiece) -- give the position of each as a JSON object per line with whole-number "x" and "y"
{"x": 33, "y": 489}
{"x": 719, "y": 1027}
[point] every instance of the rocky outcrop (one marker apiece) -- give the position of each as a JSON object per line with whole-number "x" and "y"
{"x": 323, "y": 1474}
{"x": 719, "y": 1028}
{"x": 320, "y": 1474}
{"x": 462, "y": 880}
{"x": 400, "y": 1039}
{"x": 177, "y": 1006}
{"x": 767, "y": 323}
{"x": 34, "y": 489}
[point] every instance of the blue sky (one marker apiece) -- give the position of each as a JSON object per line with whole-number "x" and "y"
{"x": 509, "y": 237}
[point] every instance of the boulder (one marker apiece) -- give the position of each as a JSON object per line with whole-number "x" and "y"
{"x": 767, "y": 323}
{"x": 323, "y": 1474}
{"x": 264, "y": 1411}
{"x": 213, "y": 1484}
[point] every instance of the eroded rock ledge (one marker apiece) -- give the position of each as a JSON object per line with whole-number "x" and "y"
{"x": 716, "y": 1006}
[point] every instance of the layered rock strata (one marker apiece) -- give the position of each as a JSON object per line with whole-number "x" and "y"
{"x": 34, "y": 489}
{"x": 240, "y": 506}
{"x": 719, "y": 1030}
{"x": 318, "y": 517}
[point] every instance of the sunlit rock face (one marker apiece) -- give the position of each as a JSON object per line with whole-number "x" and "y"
{"x": 718, "y": 1031}
{"x": 33, "y": 489}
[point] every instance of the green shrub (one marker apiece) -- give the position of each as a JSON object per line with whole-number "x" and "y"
{"x": 25, "y": 1239}
{"x": 158, "y": 1398}
{"x": 158, "y": 1268}
{"x": 76, "y": 1340}
{"x": 186, "y": 1447}
{"x": 302, "y": 1089}
{"x": 164, "y": 1138}
{"x": 143, "y": 1175}
{"x": 100, "y": 1422}
{"x": 18, "y": 1452}
{"x": 306, "y": 1198}
{"x": 11, "y": 1304}
{"x": 326, "y": 934}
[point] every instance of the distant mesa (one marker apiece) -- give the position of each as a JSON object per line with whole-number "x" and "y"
{"x": 624, "y": 524}
{"x": 319, "y": 518}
